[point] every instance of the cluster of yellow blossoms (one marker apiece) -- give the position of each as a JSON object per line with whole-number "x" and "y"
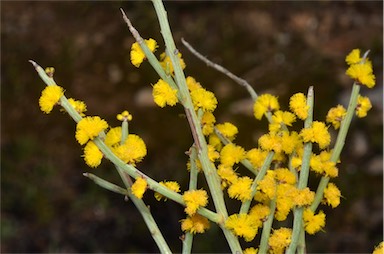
{"x": 280, "y": 182}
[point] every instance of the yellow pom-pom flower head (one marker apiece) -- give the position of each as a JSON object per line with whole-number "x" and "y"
{"x": 88, "y": 128}
{"x": 265, "y": 103}
{"x": 132, "y": 150}
{"x": 137, "y": 54}
{"x": 50, "y": 96}
{"x": 164, "y": 94}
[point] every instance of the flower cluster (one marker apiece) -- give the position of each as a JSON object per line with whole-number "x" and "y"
{"x": 278, "y": 166}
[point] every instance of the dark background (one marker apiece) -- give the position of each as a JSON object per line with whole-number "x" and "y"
{"x": 278, "y": 47}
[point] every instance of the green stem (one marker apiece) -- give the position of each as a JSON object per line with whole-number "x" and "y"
{"x": 340, "y": 141}
{"x": 303, "y": 179}
{"x": 267, "y": 228}
{"x": 106, "y": 185}
{"x": 267, "y": 162}
{"x": 209, "y": 171}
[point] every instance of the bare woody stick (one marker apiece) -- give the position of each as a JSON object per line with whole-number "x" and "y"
{"x": 221, "y": 69}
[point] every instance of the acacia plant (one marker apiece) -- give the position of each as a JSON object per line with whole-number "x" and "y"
{"x": 275, "y": 188}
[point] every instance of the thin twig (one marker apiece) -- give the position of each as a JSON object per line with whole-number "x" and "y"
{"x": 133, "y": 30}
{"x": 221, "y": 69}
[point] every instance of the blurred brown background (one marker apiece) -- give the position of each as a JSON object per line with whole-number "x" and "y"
{"x": 279, "y": 47}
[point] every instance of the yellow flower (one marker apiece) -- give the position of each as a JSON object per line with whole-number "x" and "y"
{"x": 332, "y": 195}
{"x": 79, "y": 106}
{"x": 336, "y": 115}
{"x": 280, "y": 239}
{"x": 250, "y": 250}
{"x": 228, "y": 130}
{"x": 270, "y": 142}
{"x": 268, "y": 184}
{"x": 164, "y": 94}
{"x": 137, "y": 54}
{"x": 304, "y": 197}
{"x": 92, "y": 155}
{"x": 227, "y": 175}
{"x": 231, "y": 154}
{"x": 132, "y": 150}
{"x": 256, "y": 156}
{"x": 283, "y": 175}
{"x": 50, "y": 96}
{"x": 280, "y": 118}
{"x": 195, "y": 224}
{"x": 323, "y": 165}
{"x": 203, "y": 99}
{"x": 298, "y": 105}
{"x": 113, "y": 136}
{"x": 259, "y": 212}
{"x": 241, "y": 189}
{"x": 313, "y": 223}
{"x": 353, "y": 57}
{"x": 290, "y": 142}
{"x": 166, "y": 62}
{"x": 192, "y": 83}
{"x": 213, "y": 155}
{"x": 362, "y": 73}
{"x": 318, "y": 133}
{"x": 88, "y": 128}
{"x": 214, "y": 141}
{"x": 139, "y": 187}
{"x": 379, "y": 249}
{"x": 172, "y": 185}
{"x": 363, "y": 106}
{"x": 194, "y": 199}
{"x": 265, "y": 103}
{"x": 285, "y": 194}
{"x": 243, "y": 225}
{"x": 207, "y": 121}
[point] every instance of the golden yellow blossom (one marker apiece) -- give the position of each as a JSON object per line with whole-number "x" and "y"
{"x": 227, "y": 175}
{"x": 298, "y": 105}
{"x": 113, "y": 136}
{"x": 318, "y": 133}
{"x": 265, "y": 103}
{"x": 195, "y": 224}
{"x": 137, "y": 54}
{"x": 194, "y": 199}
{"x": 256, "y": 156}
{"x": 132, "y": 150}
{"x": 88, "y": 128}
{"x": 92, "y": 155}
{"x": 336, "y": 115}
{"x": 50, "y": 96}
{"x": 240, "y": 189}
{"x": 164, "y": 94}
{"x": 228, "y": 130}
{"x": 280, "y": 239}
{"x": 208, "y": 123}
{"x": 203, "y": 99}
{"x": 363, "y": 106}
{"x": 139, "y": 187}
{"x": 243, "y": 225}
{"x": 192, "y": 83}
{"x": 231, "y": 154}
{"x": 332, "y": 195}
{"x": 313, "y": 223}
